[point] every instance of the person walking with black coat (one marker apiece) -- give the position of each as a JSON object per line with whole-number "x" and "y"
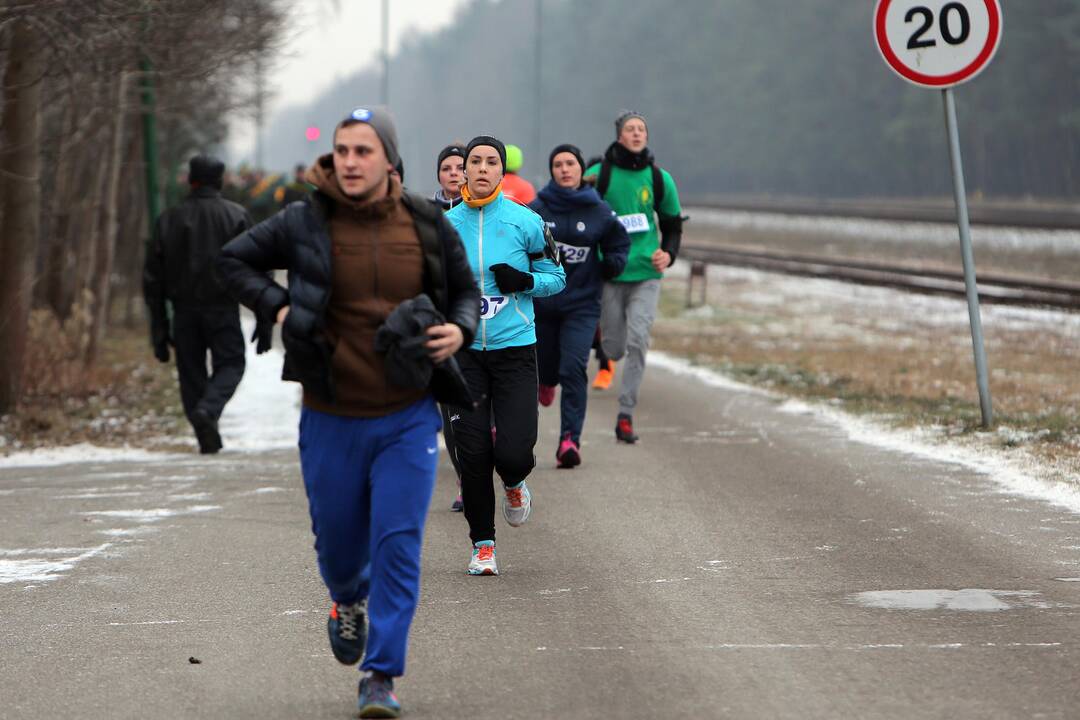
{"x": 356, "y": 249}
{"x": 179, "y": 269}
{"x": 593, "y": 246}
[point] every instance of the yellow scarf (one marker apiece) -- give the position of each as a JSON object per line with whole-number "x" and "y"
{"x": 472, "y": 202}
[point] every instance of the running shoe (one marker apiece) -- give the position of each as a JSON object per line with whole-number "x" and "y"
{"x": 458, "y": 505}
{"x": 546, "y": 395}
{"x": 347, "y": 627}
{"x": 483, "y": 559}
{"x": 604, "y": 377}
{"x": 377, "y": 698}
{"x": 624, "y": 429}
{"x": 517, "y": 505}
{"x": 568, "y": 455}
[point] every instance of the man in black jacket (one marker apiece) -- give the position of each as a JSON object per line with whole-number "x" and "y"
{"x": 356, "y": 248}
{"x": 180, "y": 269}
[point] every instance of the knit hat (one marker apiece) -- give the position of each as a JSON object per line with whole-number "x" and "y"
{"x": 206, "y": 170}
{"x": 454, "y": 150}
{"x": 566, "y": 148}
{"x": 514, "y": 158}
{"x": 382, "y": 122}
{"x": 489, "y": 141}
{"x": 625, "y": 115}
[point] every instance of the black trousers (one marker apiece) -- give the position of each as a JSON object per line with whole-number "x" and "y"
{"x": 450, "y": 415}
{"x": 216, "y": 330}
{"x": 507, "y": 380}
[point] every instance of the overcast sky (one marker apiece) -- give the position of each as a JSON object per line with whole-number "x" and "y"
{"x": 330, "y": 40}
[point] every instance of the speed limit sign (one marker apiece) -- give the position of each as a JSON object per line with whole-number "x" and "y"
{"x": 937, "y": 43}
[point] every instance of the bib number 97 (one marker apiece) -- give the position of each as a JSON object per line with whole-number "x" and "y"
{"x": 490, "y": 305}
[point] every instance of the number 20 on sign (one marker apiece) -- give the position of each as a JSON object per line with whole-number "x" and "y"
{"x": 939, "y": 44}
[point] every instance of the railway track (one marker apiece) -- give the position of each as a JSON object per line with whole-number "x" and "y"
{"x": 993, "y": 288}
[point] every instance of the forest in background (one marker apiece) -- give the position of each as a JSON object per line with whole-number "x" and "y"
{"x": 761, "y": 96}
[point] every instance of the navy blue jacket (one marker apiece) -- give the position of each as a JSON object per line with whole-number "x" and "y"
{"x": 592, "y": 242}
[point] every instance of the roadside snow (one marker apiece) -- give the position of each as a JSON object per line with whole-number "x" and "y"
{"x": 1054, "y": 242}
{"x": 81, "y": 453}
{"x": 263, "y": 414}
{"x": 1015, "y": 473}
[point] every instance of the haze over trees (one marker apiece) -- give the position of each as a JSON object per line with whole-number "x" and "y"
{"x": 742, "y": 96}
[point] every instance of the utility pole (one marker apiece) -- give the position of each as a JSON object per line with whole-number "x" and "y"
{"x": 538, "y": 83}
{"x": 385, "y": 94}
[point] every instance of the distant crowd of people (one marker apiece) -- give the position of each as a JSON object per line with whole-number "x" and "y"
{"x": 403, "y": 315}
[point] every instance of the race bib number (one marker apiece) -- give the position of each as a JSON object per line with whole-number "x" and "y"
{"x": 491, "y": 305}
{"x": 573, "y": 254}
{"x": 635, "y": 223}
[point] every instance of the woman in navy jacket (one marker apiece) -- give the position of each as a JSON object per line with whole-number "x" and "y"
{"x": 593, "y": 246}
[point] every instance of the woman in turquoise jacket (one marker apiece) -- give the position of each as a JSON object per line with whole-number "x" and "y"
{"x": 513, "y": 260}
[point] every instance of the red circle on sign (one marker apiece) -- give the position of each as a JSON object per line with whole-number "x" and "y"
{"x": 992, "y": 38}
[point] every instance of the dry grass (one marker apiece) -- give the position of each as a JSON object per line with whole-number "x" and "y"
{"x": 879, "y": 352}
{"x": 128, "y": 398}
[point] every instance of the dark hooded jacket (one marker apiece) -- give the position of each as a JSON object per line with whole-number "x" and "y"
{"x": 180, "y": 260}
{"x": 593, "y": 244}
{"x": 297, "y": 239}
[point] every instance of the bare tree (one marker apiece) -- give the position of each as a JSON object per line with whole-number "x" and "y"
{"x": 70, "y": 120}
{"x": 19, "y": 196}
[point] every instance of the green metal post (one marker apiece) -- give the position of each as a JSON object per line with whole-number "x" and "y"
{"x": 150, "y": 150}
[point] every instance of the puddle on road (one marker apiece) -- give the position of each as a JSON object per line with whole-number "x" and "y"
{"x": 968, "y": 600}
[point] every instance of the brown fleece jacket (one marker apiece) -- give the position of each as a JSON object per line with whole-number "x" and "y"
{"x": 377, "y": 262}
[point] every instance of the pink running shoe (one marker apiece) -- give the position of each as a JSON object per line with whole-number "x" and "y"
{"x": 546, "y": 395}
{"x": 568, "y": 455}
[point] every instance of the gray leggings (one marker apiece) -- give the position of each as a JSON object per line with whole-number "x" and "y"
{"x": 626, "y": 317}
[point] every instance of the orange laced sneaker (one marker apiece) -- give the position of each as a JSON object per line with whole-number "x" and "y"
{"x": 604, "y": 377}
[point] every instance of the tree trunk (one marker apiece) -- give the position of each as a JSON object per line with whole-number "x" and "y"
{"x": 103, "y": 270}
{"x": 20, "y": 195}
{"x": 56, "y": 266}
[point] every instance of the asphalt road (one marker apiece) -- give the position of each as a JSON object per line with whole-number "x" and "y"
{"x": 740, "y": 562}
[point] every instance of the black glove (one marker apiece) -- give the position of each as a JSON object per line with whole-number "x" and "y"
{"x": 161, "y": 351}
{"x": 511, "y": 280}
{"x": 263, "y": 336}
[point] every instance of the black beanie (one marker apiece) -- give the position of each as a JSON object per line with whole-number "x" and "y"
{"x": 490, "y": 141}
{"x": 206, "y": 170}
{"x": 449, "y": 151}
{"x": 566, "y": 147}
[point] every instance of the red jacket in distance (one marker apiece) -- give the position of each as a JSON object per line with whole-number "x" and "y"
{"x": 518, "y": 189}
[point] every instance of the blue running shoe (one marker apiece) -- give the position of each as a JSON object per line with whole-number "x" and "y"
{"x": 377, "y": 698}
{"x": 347, "y": 627}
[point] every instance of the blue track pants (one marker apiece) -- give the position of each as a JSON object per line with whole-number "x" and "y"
{"x": 369, "y": 483}
{"x": 563, "y": 342}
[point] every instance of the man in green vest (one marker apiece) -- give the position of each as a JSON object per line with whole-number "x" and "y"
{"x": 646, "y": 201}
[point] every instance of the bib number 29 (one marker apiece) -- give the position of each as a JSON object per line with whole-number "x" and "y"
{"x": 490, "y": 305}
{"x": 954, "y": 21}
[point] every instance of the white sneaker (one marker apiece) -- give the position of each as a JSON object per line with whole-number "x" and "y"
{"x": 517, "y": 504}
{"x": 483, "y": 559}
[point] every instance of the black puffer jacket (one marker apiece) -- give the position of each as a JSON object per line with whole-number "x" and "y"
{"x": 182, "y": 255}
{"x": 296, "y": 239}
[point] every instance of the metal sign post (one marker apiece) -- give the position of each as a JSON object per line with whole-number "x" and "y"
{"x": 939, "y": 44}
{"x": 981, "y": 374}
